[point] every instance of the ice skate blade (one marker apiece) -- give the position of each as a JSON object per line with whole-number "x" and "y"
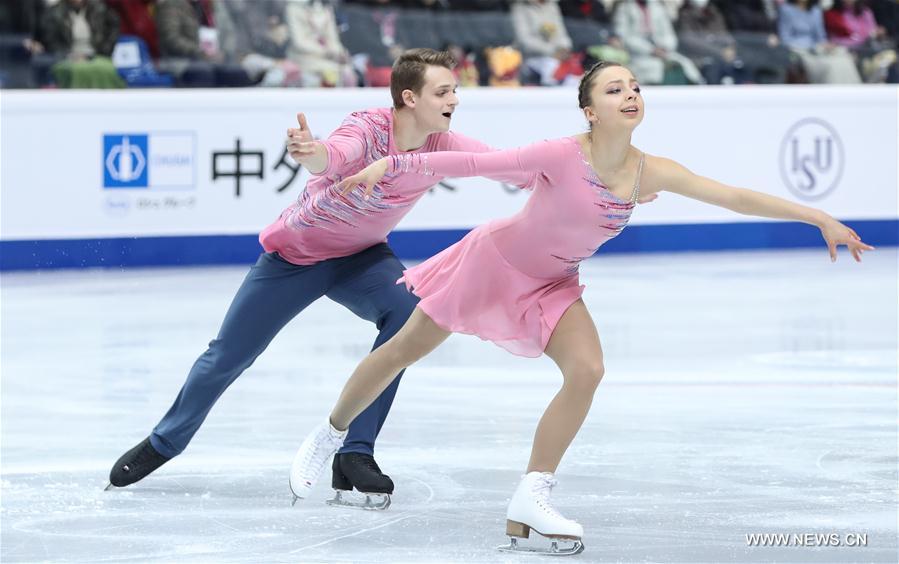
{"x": 295, "y": 499}
{"x": 576, "y": 548}
{"x": 371, "y": 501}
{"x": 108, "y": 487}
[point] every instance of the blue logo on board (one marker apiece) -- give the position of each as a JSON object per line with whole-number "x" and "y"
{"x": 125, "y": 161}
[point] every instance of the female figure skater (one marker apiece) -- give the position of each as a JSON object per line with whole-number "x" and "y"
{"x": 588, "y": 185}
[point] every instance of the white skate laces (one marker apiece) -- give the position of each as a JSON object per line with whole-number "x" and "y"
{"x": 530, "y": 508}
{"x": 541, "y": 488}
{"x": 309, "y": 461}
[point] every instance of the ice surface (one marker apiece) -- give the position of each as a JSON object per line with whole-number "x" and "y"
{"x": 744, "y": 393}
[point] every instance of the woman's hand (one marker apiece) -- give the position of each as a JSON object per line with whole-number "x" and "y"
{"x": 835, "y": 234}
{"x": 366, "y": 178}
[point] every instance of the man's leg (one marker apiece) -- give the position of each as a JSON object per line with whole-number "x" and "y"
{"x": 272, "y": 294}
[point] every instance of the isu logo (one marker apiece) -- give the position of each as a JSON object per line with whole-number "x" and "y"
{"x": 811, "y": 159}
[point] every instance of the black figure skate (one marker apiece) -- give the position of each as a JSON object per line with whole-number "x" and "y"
{"x": 360, "y": 471}
{"x": 135, "y": 465}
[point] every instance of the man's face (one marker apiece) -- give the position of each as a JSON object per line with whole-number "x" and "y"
{"x": 434, "y": 105}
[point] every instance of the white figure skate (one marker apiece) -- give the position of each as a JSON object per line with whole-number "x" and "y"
{"x": 311, "y": 458}
{"x": 530, "y": 509}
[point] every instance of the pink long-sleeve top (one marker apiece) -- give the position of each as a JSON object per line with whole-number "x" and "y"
{"x": 570, "y": 214}
{"x": 850, "y": 29}
{"x": 324, "y": 224}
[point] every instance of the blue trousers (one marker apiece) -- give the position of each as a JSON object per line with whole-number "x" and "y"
{"x": 272, "y": 294}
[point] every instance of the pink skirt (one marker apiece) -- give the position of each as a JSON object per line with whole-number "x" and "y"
{"x": 470, "y": 288}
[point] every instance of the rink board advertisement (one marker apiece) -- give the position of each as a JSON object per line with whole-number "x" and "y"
{"x": 96, "y": 178}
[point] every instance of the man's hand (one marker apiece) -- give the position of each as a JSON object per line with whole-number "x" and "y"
{"x": 300, "y": 143}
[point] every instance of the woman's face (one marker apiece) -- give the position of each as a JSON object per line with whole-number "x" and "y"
{"x": 615, "y": 100}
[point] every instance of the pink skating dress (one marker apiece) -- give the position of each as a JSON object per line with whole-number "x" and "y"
{"x": 511, "y": 280}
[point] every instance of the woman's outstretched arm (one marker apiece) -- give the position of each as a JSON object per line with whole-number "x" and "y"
{"x": 539, "y": 158}
{"x": 665, "y": 174}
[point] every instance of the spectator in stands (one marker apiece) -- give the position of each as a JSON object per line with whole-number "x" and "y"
{"x": 189, "y": 50}
{"x": 756, "y": 16}
{"x": 179, "y": 45}
{"x": 613, "y": 51}
{"x": 886, "y": 12}
{"x": 753, "y": 25}
{"x": 586, "y": 9}
{"x": 801, "y": 28}
{"x": 851, "y": 23}
{"x": 137, "y": 17}
{"x": 315, "y": 44}
{"x": 466, "y": 70}
{"x": 255, "y": 35}
{"x": 81, "y": 35}
{"x": 375, "y": 64}
{"x": 21, "y": 47}
{"x": 542, "y": 38}
{"x": 704, "y": 37}
{"x": 648, "y": 34}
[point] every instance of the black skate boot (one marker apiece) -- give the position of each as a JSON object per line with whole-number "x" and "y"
{"x": 354, "y": 469}
{"x": 135, "y": 465}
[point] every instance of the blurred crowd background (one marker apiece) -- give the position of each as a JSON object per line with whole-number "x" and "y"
{"x": 500, "y": 43}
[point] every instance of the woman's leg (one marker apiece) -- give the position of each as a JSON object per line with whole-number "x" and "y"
{"x": 366, "y": 285}
{"x": 418, "y": 337}
{"x": 575, "y": 348}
